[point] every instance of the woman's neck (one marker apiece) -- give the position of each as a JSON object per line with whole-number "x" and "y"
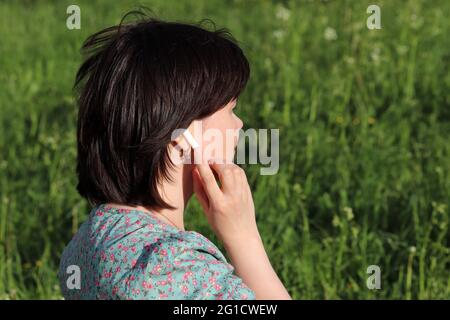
{"x": 177, "y": 193}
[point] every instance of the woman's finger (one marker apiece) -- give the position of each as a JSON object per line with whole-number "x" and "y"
{"x": 226, "y": 175}
{"x": 210, "y": 186}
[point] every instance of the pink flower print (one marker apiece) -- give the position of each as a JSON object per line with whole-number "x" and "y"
{"x": 169, "y": 277}
{"x": 99, "y": 213}
{"x": 133, "y": 263}
{"x": 156, "y": 269}
{"x": 163, "y": 252}
{"x": 194, "y": 282}
{"x": 118, "y": 269}
{"x": 111, "y": 257}
{"x": 244, "y": 296}
{"x": 136, "y": 291}
{"x": 187, "y": 274}
{"x": 217, "y": 286}
{"x": 172, "y": 249}
{"x": 212, "y": 280}
{"x": 119, "y": 246}
{"x": 115, "y": 289}
{"x": 146, "y": 285}
{"x": 107, "y": 274}
{"x": 163, "y": 295}
{"x": 204, "y": 285}
{"x": 133, "y": 249}
{"x": 211, "y": 250}
{"x": 185, "y": 289}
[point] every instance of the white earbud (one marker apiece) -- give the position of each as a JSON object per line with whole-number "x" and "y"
{"x": 190, "y": 139}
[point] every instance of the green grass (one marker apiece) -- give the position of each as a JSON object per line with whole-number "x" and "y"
{"x": 364, "y": 125}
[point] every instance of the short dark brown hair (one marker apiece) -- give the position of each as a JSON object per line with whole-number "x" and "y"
{"x": 138, "y": 83}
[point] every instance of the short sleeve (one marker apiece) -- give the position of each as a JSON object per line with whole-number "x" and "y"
{"x": 179, "y": 268}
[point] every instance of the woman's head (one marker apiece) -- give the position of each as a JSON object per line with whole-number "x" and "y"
{"x": 138, "y": 83}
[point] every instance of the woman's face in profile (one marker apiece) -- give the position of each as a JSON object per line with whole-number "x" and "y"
{"x": 220, "y": 134}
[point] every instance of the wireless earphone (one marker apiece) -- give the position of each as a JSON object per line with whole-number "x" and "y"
{"x": 190, "y": 139}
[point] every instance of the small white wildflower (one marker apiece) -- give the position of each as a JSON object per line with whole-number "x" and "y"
{"x": 270, "y": 105}
{"x": 279, "y": 34}
{"x": 330, "y": 34}
{"x": 349, "y": 60}
{"x": 375, "y": 54}
{"x": 282, "y": 13}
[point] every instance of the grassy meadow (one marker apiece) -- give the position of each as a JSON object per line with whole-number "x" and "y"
{"x": 364, "y": 120}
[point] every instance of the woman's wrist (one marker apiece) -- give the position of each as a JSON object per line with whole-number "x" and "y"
{"x": 238, "y": 242}
{"x": 252, "y": 264}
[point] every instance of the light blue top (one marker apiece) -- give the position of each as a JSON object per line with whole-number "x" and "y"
{"x": 130, "y": 254}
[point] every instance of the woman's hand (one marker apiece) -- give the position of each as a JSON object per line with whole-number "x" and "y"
{"x": 229, "y": 209}
{"x": 231, "y": 213}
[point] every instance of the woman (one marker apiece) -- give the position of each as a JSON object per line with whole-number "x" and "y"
{"x": 139, "y": 83}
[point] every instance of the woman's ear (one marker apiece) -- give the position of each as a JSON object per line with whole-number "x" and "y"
{"x": 179, "y": 149}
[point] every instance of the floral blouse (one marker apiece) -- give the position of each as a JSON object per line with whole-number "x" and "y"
{"x": 130, "y": 254}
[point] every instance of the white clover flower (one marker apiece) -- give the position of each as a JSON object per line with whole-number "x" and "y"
{"x": 282, "y": 13}
{"x": 330, "y": 34}
{"x": 349, "y": 60}
{"x": 279, "y": 34}
{"x": 375, "y": 54}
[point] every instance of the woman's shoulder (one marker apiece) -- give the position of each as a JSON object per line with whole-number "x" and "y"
{"x": 128, "y": 254}
{"x": 110, "y": 226}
